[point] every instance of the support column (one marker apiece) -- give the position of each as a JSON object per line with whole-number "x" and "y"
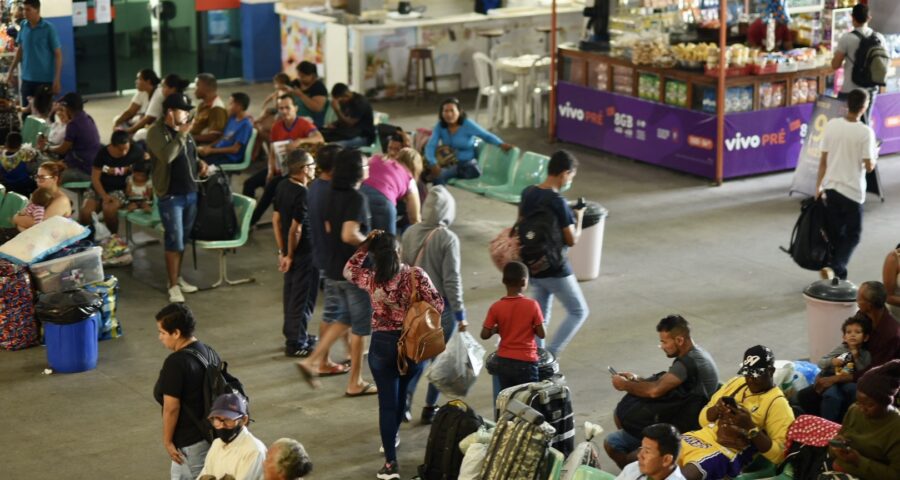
{"x": 261, "y": 37}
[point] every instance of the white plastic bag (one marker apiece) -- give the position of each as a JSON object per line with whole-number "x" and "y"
{"x": 101, "y": 232}
{"x": 455, "y": 370}
{"x": 470, "y": 469}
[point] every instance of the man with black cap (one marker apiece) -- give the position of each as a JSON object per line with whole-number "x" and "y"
{"x": 176, "y": 171}
{"x": 82, "y": 141}
{"x": 748, "y": 415}
{"x": 868, "y": 445}
{"x": 235, "y": 451}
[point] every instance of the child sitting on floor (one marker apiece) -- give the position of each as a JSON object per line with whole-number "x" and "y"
{"x": 518, "y": 320}
{"x": 139, "y": 188}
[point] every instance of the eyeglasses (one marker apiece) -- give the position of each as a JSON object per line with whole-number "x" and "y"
{"x": 225, "y": 422}
{"x": 44, "y": 177}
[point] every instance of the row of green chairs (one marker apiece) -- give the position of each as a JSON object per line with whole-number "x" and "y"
{"x": 504, "y": 175}
{"x": 10, "y": 204}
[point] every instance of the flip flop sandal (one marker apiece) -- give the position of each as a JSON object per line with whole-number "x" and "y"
{"x": 308, "y": 376}
{"x": 368, "y": 389}
{"x": 336, "y": 370}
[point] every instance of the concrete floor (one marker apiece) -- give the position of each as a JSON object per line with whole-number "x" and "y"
{"x": 673, "y": 244}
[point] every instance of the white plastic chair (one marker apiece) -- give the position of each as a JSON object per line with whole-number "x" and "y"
{"x": 539, "y": 86}
{"x": 490, "y": 86}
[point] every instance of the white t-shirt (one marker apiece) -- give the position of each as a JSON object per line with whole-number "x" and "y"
{"x": 155, "y": 106}
{"x": 848, "y": 44}
{"x": 242, "y": 458}
{"x": 143, "y": 99}
{"x": 847, "y": 144}
{"x": 633, "y": 472}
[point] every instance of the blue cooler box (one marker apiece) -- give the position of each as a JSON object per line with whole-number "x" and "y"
{"x": 72, "y": 348}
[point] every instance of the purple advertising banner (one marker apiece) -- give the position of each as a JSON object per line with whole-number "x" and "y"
{"x": 684, "y": 140}
{"x": 886, "y": 118}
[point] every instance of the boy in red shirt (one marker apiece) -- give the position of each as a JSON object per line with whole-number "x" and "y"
{"x": 518, "y": 320}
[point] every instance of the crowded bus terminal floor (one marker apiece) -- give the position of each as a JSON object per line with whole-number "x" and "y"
{"x": 673, "y": 244}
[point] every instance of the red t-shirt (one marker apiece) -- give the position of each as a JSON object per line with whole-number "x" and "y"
{"x": 756, "y": 33}
{"x": 301, "y": 128}
{"x": 516, "y": 317}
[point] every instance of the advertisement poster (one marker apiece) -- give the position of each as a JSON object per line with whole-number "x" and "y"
{"x": 79, "y": 14}
{"x": 301, "y": 40}
{"x": 218, "y": 27}
{"x": 102, "y": 11}
{"x": 807, "y": 171}
{"x": 683, "y": 140}
{"x": 386, "y": 54}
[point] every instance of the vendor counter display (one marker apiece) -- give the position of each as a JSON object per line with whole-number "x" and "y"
{"x": 662, "y": 111}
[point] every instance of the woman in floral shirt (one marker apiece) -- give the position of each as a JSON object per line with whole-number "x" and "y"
{"x": 390, "y": 284}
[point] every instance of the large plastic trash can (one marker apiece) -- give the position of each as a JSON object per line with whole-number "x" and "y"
{"x": 585, "y": 255}
{"x": 71, "y": 323}
{"x": 828, "y": 304}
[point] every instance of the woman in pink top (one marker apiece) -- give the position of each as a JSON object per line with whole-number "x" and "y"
{"x": 390, "y": 284}
{"x": 390, "y": 180}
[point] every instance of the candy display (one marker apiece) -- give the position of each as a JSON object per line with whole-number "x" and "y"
{"x": 676, "y": 93}
{"x": 600, "y": 77}
{"x": 804, "y": 90}
{"x": 771, "y": 95}
{"x": 623, "y": 79}
{"x": 737, "y": 99}
{"x": 648, "y": 87}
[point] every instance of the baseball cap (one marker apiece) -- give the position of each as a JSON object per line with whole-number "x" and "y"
{"x": 757, "y": 360}
{"x": 178, "y": 101}
{"x": 229, "y": 405}
{"x": 72, "y": 100}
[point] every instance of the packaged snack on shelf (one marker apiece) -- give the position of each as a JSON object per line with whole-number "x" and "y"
{"x": 771, "y": 95}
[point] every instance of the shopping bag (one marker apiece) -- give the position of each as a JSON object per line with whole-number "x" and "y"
{"x": 504, "y": 248}
{"x": 454, "y": 371}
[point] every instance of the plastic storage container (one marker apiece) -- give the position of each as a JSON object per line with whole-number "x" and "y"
{"x": 72, "y": 348}
{"x": 69, "y": 272}
{"x": 828, "y": 304}
{"x": 585, "y": 255}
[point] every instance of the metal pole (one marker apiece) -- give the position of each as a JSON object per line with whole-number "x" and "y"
{"x": 552, "y": 121}
{"x": 720, "y": 93}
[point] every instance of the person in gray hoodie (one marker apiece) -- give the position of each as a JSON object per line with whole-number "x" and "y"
{"x": 431, "y": 245}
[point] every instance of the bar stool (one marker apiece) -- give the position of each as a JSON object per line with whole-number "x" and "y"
{"x": 491, "y": 35}
{"x": 420, "y": 58}
{"x": 545, "y": 29}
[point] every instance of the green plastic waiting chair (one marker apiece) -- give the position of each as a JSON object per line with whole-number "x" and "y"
{"x": 496, "y": 166}
{"x": 232, "y": 168}
{"x": 141, "y": 219}
{"x": 32, "y": 127}
{"x": 12, "y": 204}
{"x": 584, "y": 472}
{"x": 558, "y": 460}
{"x": 531, "y": 170}
{"x": 244, "y": 209}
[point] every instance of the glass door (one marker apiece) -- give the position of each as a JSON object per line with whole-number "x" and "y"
{"x": 220, "y": 43}
{"x": 133, "y": 41}
{"x": 94, "y": 55}
{"x": 178, "y": 38}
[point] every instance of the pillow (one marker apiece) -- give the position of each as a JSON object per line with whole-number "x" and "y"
{"x": 45, "y": 238}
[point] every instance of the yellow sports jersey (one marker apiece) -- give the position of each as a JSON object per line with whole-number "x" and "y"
{"x": 770, "y": 412}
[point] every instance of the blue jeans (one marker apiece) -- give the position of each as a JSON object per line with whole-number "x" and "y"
{"x": 384, "y": 213}
{"x": 354, "y": 142}
{"x": 177, "y": 213}
{"x": 391, "y": 387}
{"x": 301, "y": 287}
{"x": 836, "y": 400}
{"x": 569, "y": 293}
{"x": 348, "y": 304}
{"x": 622, "y": 441}
{"x": 448, "y": 323}
{"x": 194, "y": 457}
{"x": 467, "y": 169}
{"x": 511, "y": 372}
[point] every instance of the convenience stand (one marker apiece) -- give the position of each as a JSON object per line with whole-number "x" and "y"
{"x": 594, "y": 110}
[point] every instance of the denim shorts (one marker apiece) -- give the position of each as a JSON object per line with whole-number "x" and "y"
{"x": 177, "y": 213}
{"x": 348, "y": 304}
{"x": 622, "y": 441}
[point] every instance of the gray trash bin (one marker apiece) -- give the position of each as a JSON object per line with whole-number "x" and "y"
{"x": 828, "y": 304}
{"x": 585, "y": 255}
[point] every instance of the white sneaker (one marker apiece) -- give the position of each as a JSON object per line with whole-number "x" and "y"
{"x": 175, "y": 295}
{"x": 396, "y": 444}
{"x": 185, "y": 286}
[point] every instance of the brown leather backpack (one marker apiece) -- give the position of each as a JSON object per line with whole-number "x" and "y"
{"x": 422, "y": 337}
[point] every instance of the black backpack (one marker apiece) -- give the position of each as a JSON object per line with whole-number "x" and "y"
{"x": 810, "y": 247}
{"x": 808, "y": 461}
{"x": 454, "y": 421}
{"x": 216, "y": 218}
{"x": 871, "y": 63}
{"x": 541, "y": 241}
{"x": 216, "y": 381}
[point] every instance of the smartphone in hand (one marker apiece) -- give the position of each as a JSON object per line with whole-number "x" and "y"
{"x": 612, "y": 371}
{"x": 730, "y": 402}
{"x": 839, "y": 443}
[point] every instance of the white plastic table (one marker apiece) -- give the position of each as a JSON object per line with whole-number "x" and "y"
{"x": 521, "y": 67}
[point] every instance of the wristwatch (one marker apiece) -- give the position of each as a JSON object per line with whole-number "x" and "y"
{"x": 753, "y": 433}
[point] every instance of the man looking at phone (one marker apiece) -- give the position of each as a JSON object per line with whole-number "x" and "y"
{"x": 675, "y": 396}
{"x": 746, "y": 417}
{"x": 176, "y": 171}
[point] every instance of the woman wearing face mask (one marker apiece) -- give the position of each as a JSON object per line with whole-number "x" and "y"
{"x": 179, "y": 390}
{"x": 235, "y": 453}
{"x": 868, "y": 445}
{"x": 456, "y": 131}
{"x": 391, "y": 285}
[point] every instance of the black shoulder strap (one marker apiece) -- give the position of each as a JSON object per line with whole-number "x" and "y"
{"x": 859, "y": 35}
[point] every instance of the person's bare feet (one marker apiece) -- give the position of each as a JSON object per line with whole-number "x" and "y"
{"x": 309, "y": 375}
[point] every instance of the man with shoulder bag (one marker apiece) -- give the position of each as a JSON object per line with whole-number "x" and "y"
{"x": 675, "y": 396}
{"x": 176, "y": 172}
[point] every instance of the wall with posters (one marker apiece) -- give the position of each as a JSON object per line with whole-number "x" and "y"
{"x": 301, "y": 40}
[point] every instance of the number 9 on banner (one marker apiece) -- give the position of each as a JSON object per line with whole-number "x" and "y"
{"x": 818, "y": 127}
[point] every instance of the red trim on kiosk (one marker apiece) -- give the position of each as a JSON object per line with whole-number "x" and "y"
{"x": 206, "y": 5}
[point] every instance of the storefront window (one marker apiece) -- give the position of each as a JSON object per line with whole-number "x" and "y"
{"x": 220, "y": 43}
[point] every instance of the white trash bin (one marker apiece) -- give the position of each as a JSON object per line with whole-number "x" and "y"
{"x": 585, "y": 255}
{"x": 828, "y": 304}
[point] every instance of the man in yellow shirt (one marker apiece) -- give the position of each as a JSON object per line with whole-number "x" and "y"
{"x": 747, "y": 416}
